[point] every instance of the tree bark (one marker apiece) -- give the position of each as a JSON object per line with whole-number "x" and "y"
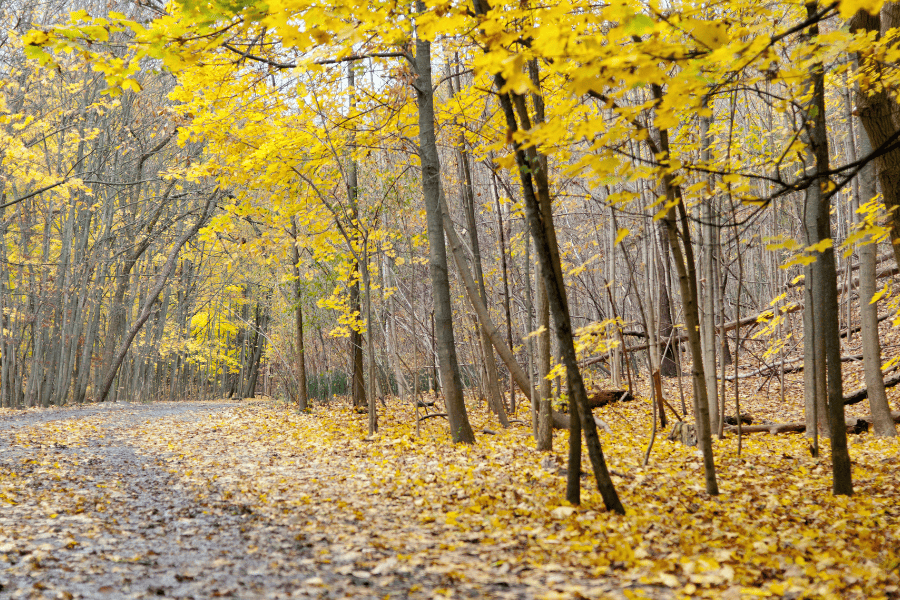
{"x": 868, "y": 311}
{"x": 824, "y": 273}
{"x": 667, "y": 367}
{"x": 878, "y": 114}
{"x": 545, "y": 432}
{"x": 503, "y": 268}
{"x": 708, "y": 237}
{"x": 302, "y": 399}
{"x": 259, "y": 345}
{"x": 460, "y": 429}
{"x": 685, "y": 266}
{"x": 494, "y": 396}
{"x": 358, "y": 385}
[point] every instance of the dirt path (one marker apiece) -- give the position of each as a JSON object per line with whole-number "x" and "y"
{"x": 90, "y": 515}
{"x": 140, "y": 534}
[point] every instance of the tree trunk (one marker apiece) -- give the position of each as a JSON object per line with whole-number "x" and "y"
{"x": 503, "y": 269}
{"x": 370, "y": 342}
{"x": 302, "y": 399}
{"x": 545, "y": 431}
{"x": 685, "y": 266}
{"x": 358, "y": 386}
{"x": 667, "y": 366}
{"x": 878, "y": 114}
{"x": 494, "y": 396}
{"x": 824, "y": 273}
{"x": 868, "y": 312}
{"x": 259, "y": 346}
{"x": 460, "y": 429}
{"x": 708, "y": 324}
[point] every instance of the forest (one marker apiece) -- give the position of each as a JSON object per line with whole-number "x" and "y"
{"x": 497, "y": 299}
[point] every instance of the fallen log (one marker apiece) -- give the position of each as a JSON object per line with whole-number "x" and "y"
{"x": 745, "y": 420}
{"x": 853, "y": 426}
{"x": 430, "y": 415}
{"x": 862, "y": 393}
{"x": 880, "y": 274}
{"x": 596, "y": 399}
{"x": 561, "y": 421}
{"x": 771, "y": 428}
{"x": 604, "y": 397}
{"x": 855, "y": 328}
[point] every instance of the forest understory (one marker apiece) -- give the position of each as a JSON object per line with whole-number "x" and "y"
{"x": 256, "y": 500}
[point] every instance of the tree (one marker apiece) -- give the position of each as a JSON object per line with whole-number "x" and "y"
{"x": 460, "y": 429}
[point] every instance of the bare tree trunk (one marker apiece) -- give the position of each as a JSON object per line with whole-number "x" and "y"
{"x": 370, "y": 343}
{"x": 358, "y": 385}
{"x": 685, "y": 265}
{"x": 878, "y": 114}
{"x": 707, "y": 267}
{"x": 484, "y": 318}
{"x": 302, "y": 399}
{"x": 503, "y": 267}
{"x": 825, "y": 273}
{"x": 460, "y": 429}
{"x": 868, "y": 311}
{"x": 492, "y": 383}
{"x": 259, "y": 344}
{"x": 667, "y": 366}
{"x": 545, "y": 425}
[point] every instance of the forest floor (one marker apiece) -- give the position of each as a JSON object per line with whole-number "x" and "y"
{"x": 252, "y": 500}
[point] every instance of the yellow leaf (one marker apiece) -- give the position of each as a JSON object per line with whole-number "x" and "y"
{"x": 879, "y": 295}
{"x": 669, "y": 580}
{"x": 821, "y": 246}
{"x": 849, "y": 8}
{"x": 712, "y": 34}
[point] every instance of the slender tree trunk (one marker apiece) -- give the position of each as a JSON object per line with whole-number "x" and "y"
{"x": 358, "y": 385}
{"x": 492, "y": 383}
{"x": 667, "y": 366}
{"x": 881, "y": 413}
{"x": 685, "y": 266}
{"x": 262, "y": 326}
{"x": 460, "y": 429}
{"x": 825, "y": 273}
{"x": 708, "y": 324}
{"x": 370, "y": 349}
{"x": 484, "y": 318}
{"x": 545, "y": 416}
{"x": 545, "y": 425}
{"x": 302, "y": 399}
{"x": 503, "y": 267}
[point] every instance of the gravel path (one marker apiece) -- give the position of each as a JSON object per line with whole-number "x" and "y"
{"x": 139, "y": 533}
{"x": 97, "y": 517}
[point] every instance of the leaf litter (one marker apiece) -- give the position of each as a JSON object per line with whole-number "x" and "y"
{"x": 204, "y": 500}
